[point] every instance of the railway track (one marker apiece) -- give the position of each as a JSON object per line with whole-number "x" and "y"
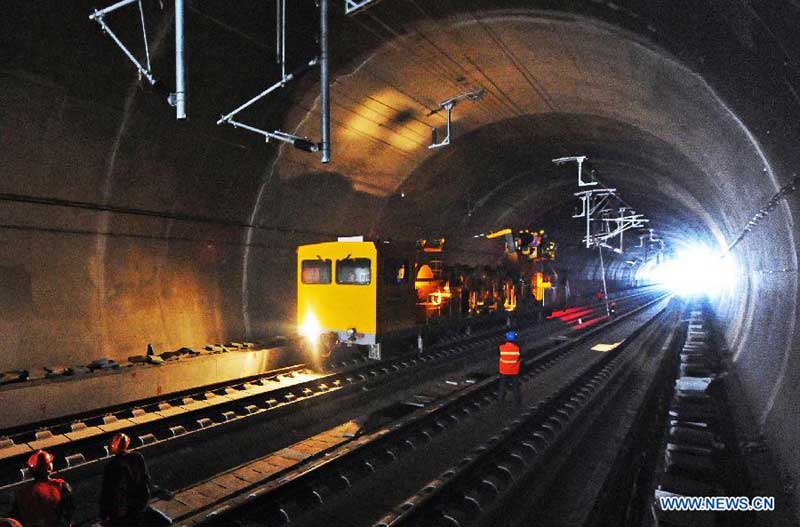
{"x": 285, "y": 493}
{"x": 80, "y": 440}
{"x": 172, "y": 423}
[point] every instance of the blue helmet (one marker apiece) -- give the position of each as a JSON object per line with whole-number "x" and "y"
{"x": 511, "y": 336}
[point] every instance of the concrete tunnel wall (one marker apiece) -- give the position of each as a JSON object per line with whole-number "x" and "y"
{"x": 79, "y": 283}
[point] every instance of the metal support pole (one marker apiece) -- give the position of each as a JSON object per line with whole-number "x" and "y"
{"x": 324, "y": 78}
{"x": 144, "y": 36}
{"x": 280, "y": 49}
{"x": 180, "y": 66}
{"x": 605, "y": 289}
{"x": 588, "y": 220}
{"x": 449, "y": 107}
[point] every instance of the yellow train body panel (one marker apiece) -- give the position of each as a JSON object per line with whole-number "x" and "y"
{"x": 334, "y": 306}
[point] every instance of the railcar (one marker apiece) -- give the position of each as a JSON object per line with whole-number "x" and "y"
{"x": 363, "y": 294}
{"x": 355, "y": 293}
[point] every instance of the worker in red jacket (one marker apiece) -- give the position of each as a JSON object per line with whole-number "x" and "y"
{"x": 47, "y": 501}
{"x": 509, "y": 368}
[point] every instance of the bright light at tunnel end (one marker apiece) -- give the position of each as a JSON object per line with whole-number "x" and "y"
{"x": 694, "y": 271}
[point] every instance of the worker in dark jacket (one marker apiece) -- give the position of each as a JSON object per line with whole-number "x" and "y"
{"x": 47, "y": 501}
{"x": 126, "y": 490}
{"x": 509, "y": 368}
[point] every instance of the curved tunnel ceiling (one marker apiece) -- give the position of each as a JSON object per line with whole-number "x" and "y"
{"x": 556, "y": 86}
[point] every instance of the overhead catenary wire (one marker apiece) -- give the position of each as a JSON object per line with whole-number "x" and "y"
{"x": 148, "y": 237}
{"x": 162, "y": 215}
{"x": 419, "y": 140}
{"x": 773, "y": 202}
{"x": 480, "y": 22}
{"x": 438, "y": 67}
{"x": 514, "y": 109}
{"x": 345, "y": 126}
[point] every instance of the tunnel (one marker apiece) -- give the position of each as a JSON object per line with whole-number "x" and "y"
{"x": 122, "y": 226}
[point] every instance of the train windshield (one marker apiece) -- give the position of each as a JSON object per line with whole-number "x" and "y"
{"x": 316, "y": 271}
{"x": 355, "y": 271}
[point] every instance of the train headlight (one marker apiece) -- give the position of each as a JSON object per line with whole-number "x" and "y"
{"x": 311, "y": 328}
{"x": 351, "y": 334}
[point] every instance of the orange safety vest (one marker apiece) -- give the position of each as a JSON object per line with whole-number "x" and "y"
{"x": 40, "y": 503}
{"x": 509, "y": 359}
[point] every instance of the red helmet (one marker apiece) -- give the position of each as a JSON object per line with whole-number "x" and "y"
{"x": 119, "y": 444}
{"x": 41, "y": 462}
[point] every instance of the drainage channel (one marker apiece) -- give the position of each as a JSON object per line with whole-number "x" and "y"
{"x": 700, "y": 453}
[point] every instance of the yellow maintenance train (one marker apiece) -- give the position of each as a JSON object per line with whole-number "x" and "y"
{"x": 360, "y": 293}
{"x": 353, "y": 292}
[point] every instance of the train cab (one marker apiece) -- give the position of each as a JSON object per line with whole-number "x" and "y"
{"x": 354, "y": 293}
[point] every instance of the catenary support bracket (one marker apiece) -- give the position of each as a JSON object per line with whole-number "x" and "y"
{"x": 579, "y": 160}
{"x": 300, "y": 143}
{"x": 448, "y": 105}
{"x": 352, "y": 6}
{"x": 99, "y": 16}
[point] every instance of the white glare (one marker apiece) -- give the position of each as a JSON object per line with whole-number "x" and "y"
{"x": 697, "y": 270}
{"x": 311, "y": 328}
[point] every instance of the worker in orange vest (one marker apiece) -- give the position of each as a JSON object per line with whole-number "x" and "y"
{"x": 47, "y": 501}
{"x": 509, "y": 368}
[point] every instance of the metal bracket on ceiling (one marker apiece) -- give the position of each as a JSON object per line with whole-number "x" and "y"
{"x": 593, "y": 204}
{"x": 651, "y": 246}
{"x": 596, "y": 208}
{"x": 448, "y": 105}
{"x": 616, "y": 227}
{"x": 606, "y": 215}
{"x": 352, "y": 6}
{"x": 176, "y": 99}
{"x": 579, "y": 160}
{"x": 99, "y": 16}
{"x": 300, "y": 143}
